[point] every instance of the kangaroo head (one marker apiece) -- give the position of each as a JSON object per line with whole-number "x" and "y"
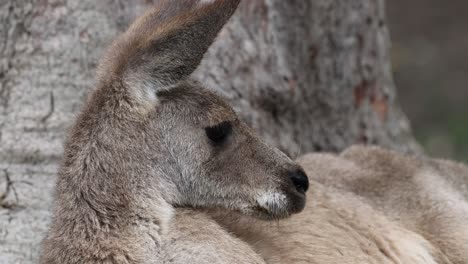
{"x": 149, "y": 134}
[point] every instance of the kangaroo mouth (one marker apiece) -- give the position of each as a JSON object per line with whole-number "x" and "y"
{"x": 279, "y": 205}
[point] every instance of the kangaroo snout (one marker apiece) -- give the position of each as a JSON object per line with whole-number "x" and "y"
{"x": 299, "y": 180}
{"x": 294, "y": 189}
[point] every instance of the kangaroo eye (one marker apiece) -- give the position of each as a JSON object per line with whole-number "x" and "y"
{"x": 219, "y": 132}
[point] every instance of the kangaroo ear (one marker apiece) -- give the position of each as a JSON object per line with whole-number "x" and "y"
{"x": 164, "y": 46}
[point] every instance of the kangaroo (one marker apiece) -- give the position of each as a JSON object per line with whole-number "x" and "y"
{"x": 151, "y": 147}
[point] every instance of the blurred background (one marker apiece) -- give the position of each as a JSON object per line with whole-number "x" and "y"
{"x": 430, "y": 64}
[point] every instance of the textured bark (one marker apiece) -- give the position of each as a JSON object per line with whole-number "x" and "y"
{"x": 307, "y": 75}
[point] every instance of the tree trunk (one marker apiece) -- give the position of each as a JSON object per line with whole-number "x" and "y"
{"x": 306, "y": 75}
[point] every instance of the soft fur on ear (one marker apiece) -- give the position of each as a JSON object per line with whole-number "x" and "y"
{"x": 164, "y": 46}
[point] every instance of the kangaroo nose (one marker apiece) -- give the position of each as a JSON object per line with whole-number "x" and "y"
{"x": 300, "y": 180}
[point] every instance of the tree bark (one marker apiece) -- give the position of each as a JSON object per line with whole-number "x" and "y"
{"x": 306, "y": 75}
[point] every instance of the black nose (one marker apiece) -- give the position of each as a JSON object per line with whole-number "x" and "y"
{"x": 300, "y": 180}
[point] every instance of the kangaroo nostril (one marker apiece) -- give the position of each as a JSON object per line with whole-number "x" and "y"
{"x": 300, "y": 180}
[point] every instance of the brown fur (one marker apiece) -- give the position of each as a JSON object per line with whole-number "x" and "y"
{"x": 140, "y": 149}
{"x": 369, "y": 205}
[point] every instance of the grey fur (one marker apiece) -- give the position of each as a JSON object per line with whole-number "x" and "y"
{"x": 138, "y": 149}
